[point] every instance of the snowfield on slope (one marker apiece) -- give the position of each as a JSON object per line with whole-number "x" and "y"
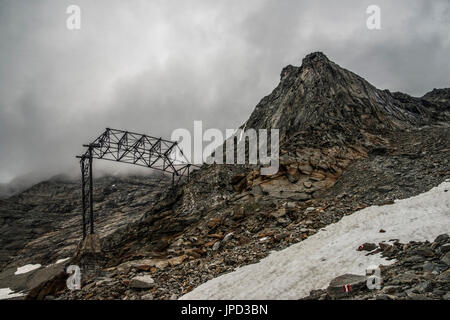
{"x": 27, "y": 268}
{"x": 311, "y": 264}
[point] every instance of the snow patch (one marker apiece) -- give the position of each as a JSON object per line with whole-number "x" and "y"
{"x": 61, "y": 260}
{"x": 7, "y": 293}
{"x": 311, "y": 264}
{"x": 57, "y": 262}
{"x": 27, "y": 268}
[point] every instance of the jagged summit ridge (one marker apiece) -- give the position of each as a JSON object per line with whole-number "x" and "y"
{"x": 315, "y": 57}
{"x": 322, "y": 95}
{"x": 312, "y": 58}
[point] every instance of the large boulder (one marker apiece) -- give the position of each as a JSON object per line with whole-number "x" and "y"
{"x": 337, "y": 288}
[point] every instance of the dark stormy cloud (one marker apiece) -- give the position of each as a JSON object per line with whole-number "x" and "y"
{"x": 154, "y": 66}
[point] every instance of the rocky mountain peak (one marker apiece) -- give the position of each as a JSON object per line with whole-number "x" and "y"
{"x": 315, "y": 60}
{"x": 321, "y": 95}
{"x": 315, "y": 57}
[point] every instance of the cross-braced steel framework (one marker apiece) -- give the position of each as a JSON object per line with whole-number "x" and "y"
{"x": 133, "y": 148}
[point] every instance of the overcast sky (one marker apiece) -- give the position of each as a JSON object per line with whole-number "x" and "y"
{"x": 154, "y": 66}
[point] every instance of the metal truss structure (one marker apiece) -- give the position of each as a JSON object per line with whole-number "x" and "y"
{"x": 133, "y": 148}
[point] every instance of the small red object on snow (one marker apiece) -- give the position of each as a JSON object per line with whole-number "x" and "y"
{"x": 347, "y": 288}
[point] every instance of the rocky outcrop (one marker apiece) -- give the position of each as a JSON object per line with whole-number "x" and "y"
{"x": 421, "y": 272}
{"x": 47, "y": 290}
{"x": 301, "y": 175}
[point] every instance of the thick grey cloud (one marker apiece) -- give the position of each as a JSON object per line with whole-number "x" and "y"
{"x": 153, "y": 66}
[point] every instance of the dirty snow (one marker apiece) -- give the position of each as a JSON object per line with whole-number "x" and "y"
{"x": 27, "y": 268}
{"x": 7, "y": 293}
{"x": 311, "y": 264}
